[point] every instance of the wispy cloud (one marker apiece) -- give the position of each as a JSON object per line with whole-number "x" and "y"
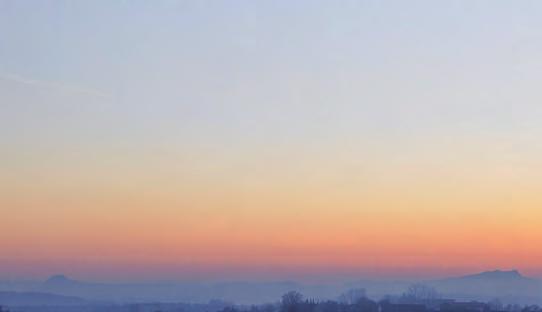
{"x": 56, "y": 85}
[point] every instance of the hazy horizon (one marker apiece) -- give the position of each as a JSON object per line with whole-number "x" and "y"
{"x": 317, "y": 277}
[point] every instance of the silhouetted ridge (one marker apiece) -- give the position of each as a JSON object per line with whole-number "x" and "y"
{"x": 497, "y": 274}
{"x": 59, "y": 279}
{"x": 13, "y": 298}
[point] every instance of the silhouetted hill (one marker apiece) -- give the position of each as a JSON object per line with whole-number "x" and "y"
{"x": 60, "y": 280}
{"x": 510, "y": 286}
{"x": 512, "y": 275}
{"x": 12, "y": 298}
{"x": 240, "y": 292}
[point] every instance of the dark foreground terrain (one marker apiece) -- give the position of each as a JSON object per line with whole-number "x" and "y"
{"x": 417, "y": 298}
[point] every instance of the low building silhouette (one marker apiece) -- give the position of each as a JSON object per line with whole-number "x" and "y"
{"x": 473, "y": 306}
{"x": 403, "y": 307}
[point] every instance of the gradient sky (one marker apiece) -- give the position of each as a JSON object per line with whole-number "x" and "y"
{"x": 269, "y": 139}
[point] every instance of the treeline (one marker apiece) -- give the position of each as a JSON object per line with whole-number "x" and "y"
{"x": 417, "y": 298}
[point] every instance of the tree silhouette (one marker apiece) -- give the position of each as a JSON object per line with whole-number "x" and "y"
{"x": 353, "y": 296}
{"x": 291, "y": 301}
{"x": 420, "y": 293}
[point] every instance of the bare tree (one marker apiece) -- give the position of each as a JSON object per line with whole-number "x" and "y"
{"x": 353, "y": 296}
{"x": 496, "y": 305}
{"x": 290, "y": 301}
{"x": 420, "y": 293}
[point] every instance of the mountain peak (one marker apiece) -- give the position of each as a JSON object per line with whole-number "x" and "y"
{"x": 58, "y": 279}
{"x": 497, "y": 274}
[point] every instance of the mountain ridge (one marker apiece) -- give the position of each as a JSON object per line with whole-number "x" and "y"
{"x": 31, "y": 298}
{"x": 496, "y": 274}
{"x": 509, "y": 285}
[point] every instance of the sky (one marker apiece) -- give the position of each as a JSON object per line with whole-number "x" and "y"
{"x": 157, "y": 140}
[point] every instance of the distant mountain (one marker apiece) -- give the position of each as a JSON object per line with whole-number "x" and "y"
{"x": 59, "y": 280}
{"x": 496, "y": 275}
{"x": 12, "y": 298}
{"x": 239, "y": 292}
{"x": 510, "y": 286}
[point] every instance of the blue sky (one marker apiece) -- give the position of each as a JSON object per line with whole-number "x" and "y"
{"x": 388, "y": 66}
